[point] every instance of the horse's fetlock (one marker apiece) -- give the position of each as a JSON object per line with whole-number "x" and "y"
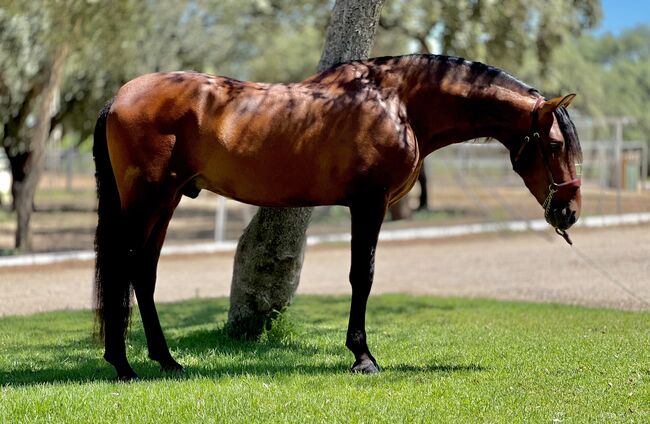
{"x": 356, "y": 341}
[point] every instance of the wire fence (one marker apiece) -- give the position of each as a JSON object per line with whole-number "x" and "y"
{"x": 71, "y": 170}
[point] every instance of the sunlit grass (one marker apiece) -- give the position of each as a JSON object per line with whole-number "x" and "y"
{"x": 443, "y": 360}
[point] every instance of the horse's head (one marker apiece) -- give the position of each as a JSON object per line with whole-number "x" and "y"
{"x": 548, "y": 159}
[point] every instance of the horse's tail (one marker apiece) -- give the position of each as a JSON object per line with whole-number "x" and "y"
{"x": 112, "y": 286}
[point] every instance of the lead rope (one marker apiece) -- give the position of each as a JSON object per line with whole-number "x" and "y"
{"x": 609, "y": 277}
{"x": 583, "y": 256}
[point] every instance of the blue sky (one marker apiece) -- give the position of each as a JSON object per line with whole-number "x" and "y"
{"x": 619, "y": 15}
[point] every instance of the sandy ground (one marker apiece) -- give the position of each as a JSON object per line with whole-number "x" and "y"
{"x": 528, "y": 266}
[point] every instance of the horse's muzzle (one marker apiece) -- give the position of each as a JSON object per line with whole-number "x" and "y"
{"x": 562, "y": 218}
{"x": 560, "y": 214}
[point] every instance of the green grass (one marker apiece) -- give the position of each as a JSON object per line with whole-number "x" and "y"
{"x": 444, "y": 360}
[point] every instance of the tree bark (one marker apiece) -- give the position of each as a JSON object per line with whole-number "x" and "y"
{"x": 351, "y": 31}
{"x": 270, "y": 252}
{"x": 27, "y": 166}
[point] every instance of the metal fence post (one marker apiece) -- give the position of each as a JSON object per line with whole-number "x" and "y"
{"x": 220, "y": 220}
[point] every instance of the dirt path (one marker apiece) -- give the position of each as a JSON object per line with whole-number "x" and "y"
{"x": 529, "y": 266}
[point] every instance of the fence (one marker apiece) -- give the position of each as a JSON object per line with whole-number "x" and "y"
{"x": 469, "y": 182}
{"x": 71, "y": 170}
{"x": 490, "y": 161}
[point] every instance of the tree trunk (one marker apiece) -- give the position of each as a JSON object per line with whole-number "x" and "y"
{"x": 270, "y": 253}
{"x": 351, "y": 31}
{"x": 27, "y": 167}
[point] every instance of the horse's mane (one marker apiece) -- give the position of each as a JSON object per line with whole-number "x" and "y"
{"x": 571, "y": 141}
{"x": 443, "y": 66}
{"x": 477, "y": 73}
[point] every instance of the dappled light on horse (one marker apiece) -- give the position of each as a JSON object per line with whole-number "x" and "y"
{"x": 354, "y": 135}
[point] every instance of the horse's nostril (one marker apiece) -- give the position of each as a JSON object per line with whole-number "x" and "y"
{"x": 572, "y": 218}
{"x": 569, "y": 216}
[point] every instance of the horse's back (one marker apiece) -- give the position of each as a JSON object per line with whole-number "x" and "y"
{"x": 267, "y": 144}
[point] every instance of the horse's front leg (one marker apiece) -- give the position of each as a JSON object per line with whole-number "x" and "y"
{"x": 367, "y": 216}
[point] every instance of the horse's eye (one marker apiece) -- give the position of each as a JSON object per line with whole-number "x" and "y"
{"x": 555, "y": 146}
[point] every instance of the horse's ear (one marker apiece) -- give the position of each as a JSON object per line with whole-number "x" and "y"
{"x": 566, "y": 100}
{"x": 550, "y": 105}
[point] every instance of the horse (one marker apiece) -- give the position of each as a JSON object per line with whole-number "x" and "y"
{"x": 354, "y": 135}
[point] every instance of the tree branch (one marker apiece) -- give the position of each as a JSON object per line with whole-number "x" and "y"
{"x": 419, "y": 36}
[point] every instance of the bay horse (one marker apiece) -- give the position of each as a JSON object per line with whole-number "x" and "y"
{"x": 353, "y": 135}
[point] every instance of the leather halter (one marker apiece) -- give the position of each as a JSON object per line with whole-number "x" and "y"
{"x": 563, "y": 191}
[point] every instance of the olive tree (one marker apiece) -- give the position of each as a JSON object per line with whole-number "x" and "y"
{"x": 38, "y": 42}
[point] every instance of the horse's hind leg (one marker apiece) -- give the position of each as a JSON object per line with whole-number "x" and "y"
{"x": 138, "y": 240}
{"x": 116, "y": 313}
{"x": 144, "y": 284}
{"x": 367, "y": 216}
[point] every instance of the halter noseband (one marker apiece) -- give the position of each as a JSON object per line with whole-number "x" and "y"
{"x": 565, "y": 190}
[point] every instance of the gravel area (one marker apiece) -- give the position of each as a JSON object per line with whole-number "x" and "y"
{"x": 522, "y": 266}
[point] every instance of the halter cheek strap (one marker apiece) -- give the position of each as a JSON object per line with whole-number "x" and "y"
{"x": 535, "y": 134}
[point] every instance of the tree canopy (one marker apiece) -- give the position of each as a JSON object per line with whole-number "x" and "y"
{"x": 611, "y": 74}
{"x": 272, "y": 40}
{"x": 100, "y": 45}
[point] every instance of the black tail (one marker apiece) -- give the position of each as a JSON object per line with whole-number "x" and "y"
{"x": 112, "y": 287}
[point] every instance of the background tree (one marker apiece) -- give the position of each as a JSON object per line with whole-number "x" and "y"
{"x": 500, "y": 34}
{"x": 270, "y": 253}
{"x": 612, "y": 75}
{"x": 61, "y": 60}
{"x": 37, "y": 41}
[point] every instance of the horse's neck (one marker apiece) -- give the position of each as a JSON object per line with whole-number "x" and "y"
{"x": 452, "y": 109}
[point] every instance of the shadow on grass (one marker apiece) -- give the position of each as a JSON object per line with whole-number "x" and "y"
{"x": 72, "y": 363}
{"x": 216, "y": 341}
{"x": 70, "y": 356}
{"x": 88, "y": 370}
{"x": 405, "y": 305}
{"x": 436, "y": 368}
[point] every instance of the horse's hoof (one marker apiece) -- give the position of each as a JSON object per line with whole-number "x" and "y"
{"x": 365, "y": 367}
{"x": 128, "y": 378}
{"x": 172, "y": 367}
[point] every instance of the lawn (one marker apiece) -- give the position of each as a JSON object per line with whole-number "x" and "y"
{"x": 443, "y": 360}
